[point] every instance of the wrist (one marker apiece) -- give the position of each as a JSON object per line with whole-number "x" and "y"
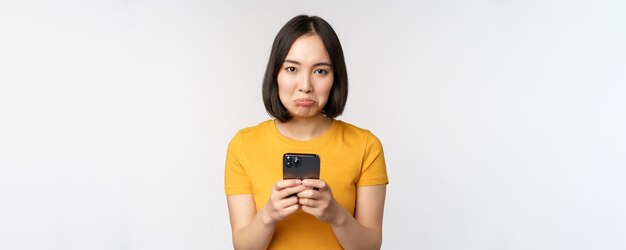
{"x": 266, "y": 219}
{"x": 340, "y": 216}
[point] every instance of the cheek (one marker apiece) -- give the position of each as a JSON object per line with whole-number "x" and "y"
{"x": 280, "y": 79}
{"x": 283, "y": 84}
{"x": 325, "y": 87}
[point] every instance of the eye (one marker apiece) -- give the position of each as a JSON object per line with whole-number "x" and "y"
{"x": 290, "y": 69}
{"x": 320, "y": 71}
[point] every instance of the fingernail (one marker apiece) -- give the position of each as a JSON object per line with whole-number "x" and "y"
{"x": 298, "y": 182}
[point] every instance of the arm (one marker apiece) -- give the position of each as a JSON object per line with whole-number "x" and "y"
{"x": 364, "y": 230}
{"x": 252, "y": 230}
{"x": 248, "y": 228}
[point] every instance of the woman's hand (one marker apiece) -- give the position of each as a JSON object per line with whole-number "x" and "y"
{"x": 319, "y": 203}
{"x": 280, "y": 204}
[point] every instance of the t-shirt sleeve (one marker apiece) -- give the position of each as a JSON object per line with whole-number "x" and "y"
{"x": 235, "y": 177}
{"x": 374, "y": 169}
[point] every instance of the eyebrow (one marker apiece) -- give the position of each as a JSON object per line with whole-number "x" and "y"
{"x": 317, "y": 64}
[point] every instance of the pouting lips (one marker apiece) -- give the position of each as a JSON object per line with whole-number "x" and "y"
{"x": 304, "y": 102}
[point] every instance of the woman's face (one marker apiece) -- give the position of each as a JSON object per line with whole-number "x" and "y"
{"x": 306, "y": 77}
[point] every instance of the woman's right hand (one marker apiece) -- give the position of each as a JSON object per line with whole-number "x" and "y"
{"x": 281, "y": 204}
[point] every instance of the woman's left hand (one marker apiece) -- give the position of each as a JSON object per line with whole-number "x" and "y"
{"x": 319, "y": 203}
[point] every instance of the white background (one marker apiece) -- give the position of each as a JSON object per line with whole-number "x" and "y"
{"x": 503, "y": 122}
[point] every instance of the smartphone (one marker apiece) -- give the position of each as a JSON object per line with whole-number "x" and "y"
{"x": 301, "y": 166}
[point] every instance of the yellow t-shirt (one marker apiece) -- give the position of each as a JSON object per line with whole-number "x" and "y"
{"x": 349, "y": 157}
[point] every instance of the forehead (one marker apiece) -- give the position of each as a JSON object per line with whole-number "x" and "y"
{"x": 308, "y": 48}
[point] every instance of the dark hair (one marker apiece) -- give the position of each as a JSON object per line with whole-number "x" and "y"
{"x": 296, "y": 27}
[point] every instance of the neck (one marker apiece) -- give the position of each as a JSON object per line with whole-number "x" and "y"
{"x": 304, "y": 128}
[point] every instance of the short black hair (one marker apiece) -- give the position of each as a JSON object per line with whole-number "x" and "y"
{"x": 295, "y": 28}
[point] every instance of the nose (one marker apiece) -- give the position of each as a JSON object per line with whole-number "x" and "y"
{"x": 305, "y": 85}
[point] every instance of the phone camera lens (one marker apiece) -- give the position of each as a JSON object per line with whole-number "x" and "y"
{"x": 296, "y": 161}
{"x": 289, "y": 159}
{"x": 289, "y": 164}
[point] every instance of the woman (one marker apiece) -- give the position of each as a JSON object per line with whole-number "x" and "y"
{"x": 304, "y": 89}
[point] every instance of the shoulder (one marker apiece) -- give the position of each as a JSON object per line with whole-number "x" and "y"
{"x": 351, "y": 129}
{"x": 252, "y": 133}
{"x": 254, "y": 129}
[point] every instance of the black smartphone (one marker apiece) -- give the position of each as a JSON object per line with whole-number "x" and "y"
{"x": 301, "y": 166}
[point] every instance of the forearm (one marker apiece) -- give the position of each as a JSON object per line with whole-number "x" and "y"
{"x": 257, "y": 234}
{"x": 352, "y": 235}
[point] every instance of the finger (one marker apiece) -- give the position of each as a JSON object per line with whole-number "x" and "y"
{"x": 284, "y": 203}
{"x": 309, "y": 193}
{"x": 291, "y": 209}
{"x": 286, "y": 183}
{"x": 286, "y": 192}
{"x": 308, "y": 202}
{"x": 309, "y": 210}
{"x": 320, "y": 184}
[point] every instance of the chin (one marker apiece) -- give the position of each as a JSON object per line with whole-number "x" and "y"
{"x": 304, "y": 115}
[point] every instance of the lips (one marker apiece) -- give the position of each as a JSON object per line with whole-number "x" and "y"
{"x": 305, "y": 102}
